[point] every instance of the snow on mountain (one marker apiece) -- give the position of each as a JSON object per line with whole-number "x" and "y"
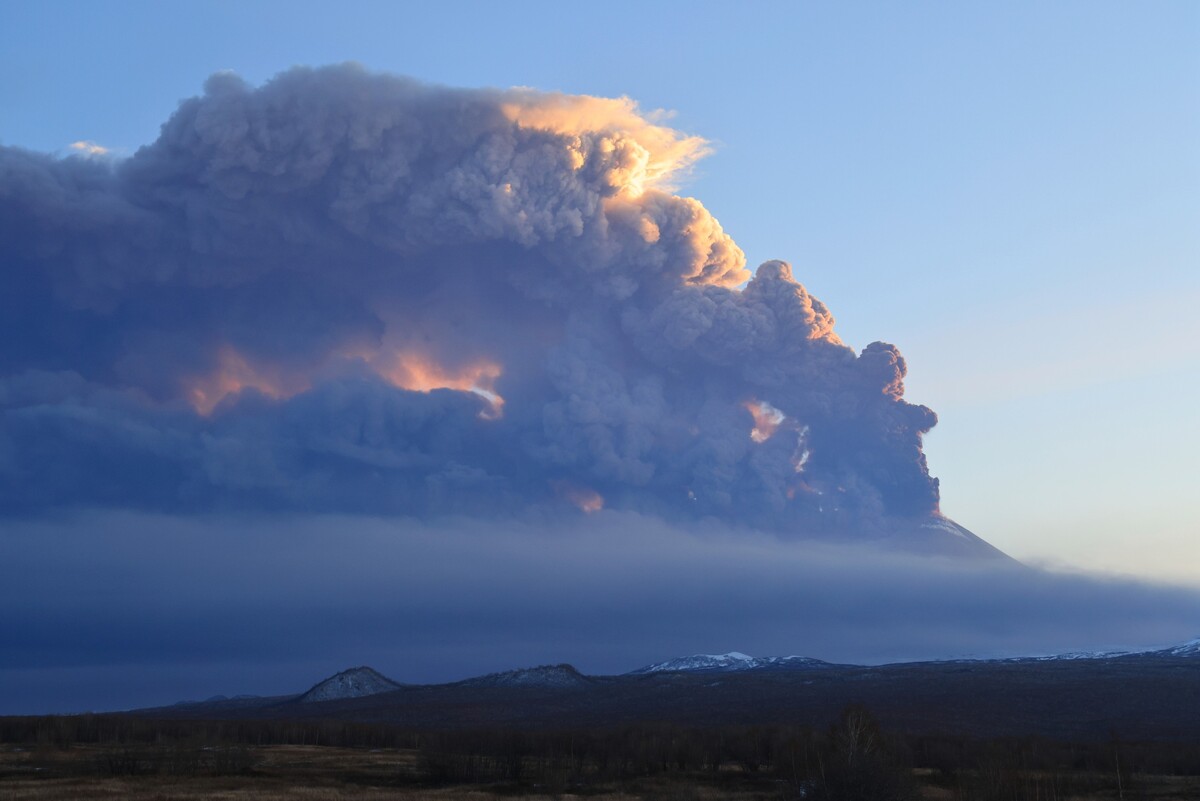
{"x": 732, "y": 661}
{"x": 736, "y": 661}
{"x": 1072, "y": 655}
{"x": 541, "y": 676}
{"x": 353, "y": 683}
{"x": 938, "y": 535}
{"x": 1189, "y": 648}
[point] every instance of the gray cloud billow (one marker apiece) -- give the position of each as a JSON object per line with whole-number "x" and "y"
{"x": 352, "y": 292}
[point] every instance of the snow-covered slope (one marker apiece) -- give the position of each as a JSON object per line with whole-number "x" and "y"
{"x": 938, "y": 535}
{"x": 353, "y": 683}
{"x": 541, "y": 676}
{"x": 731, "y": 661}
{"x": 1079, "y": 655}
{"x": 1189, "y": 648}
{"x": 736, "y": 661}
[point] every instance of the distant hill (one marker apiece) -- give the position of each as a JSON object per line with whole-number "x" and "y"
{"x": 1149, "y": 695}
{"x": 541, "y": 676}
{"x": 358, "y": 682}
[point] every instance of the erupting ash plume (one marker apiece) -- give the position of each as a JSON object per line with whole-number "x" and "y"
{"x": 352, "y": 292}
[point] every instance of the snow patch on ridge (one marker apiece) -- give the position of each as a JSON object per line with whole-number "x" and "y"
{"x": 356, "y": 682}
{"x": 1189, "y": 648}
{"x": 732, "y": 661}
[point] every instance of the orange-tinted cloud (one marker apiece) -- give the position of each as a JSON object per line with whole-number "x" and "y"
{"x": 766, "y": 419}
{"x": 234, "y": 373}
{"x": 639, "y": 153}
{"x": 420, "y": 373}
{"x": 585, "y": 499}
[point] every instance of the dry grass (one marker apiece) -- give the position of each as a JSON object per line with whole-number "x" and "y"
{"x": 294, "y": 773}
{"x": 312, "y": 773}
{"x": 246, "y": 789}
{"x": 1140, "y": 786}
{"x": 242, "y": 790}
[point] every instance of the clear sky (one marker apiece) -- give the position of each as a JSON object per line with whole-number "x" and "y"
{"x": 1008, "y": 192}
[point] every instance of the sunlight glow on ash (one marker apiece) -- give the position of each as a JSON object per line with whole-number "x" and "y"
{"x": 419, "y": 373}
{"x": 766, "y": 420}
{"x": 646, "y": 155}
{"x": 235, "y": 373}
{"x": 584, "y": 499}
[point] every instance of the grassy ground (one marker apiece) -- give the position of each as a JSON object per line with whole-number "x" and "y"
{"x": 303, "y": 773}
{"x": 311, "y": 773}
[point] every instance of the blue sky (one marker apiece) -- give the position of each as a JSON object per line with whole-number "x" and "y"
{"x": 1009, "y": 192}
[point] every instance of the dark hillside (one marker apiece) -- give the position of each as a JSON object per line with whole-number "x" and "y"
{"x": 1146, "y": 697}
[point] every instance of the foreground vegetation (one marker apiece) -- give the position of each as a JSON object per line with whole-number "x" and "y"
{"x": 113, "y": 756}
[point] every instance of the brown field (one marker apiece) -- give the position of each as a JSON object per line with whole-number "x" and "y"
{"x": 322, "y": 773}
{"x": 304, "y": 773}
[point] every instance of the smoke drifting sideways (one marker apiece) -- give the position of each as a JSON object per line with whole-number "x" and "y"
{"x": 141, "y": 609}
{"x": 351, "y": 292}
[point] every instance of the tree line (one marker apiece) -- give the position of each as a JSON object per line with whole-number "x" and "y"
{"x": 852, "y": 759}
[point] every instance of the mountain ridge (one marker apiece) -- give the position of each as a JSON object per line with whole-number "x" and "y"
{"x": 1143, "y": 695}
{"x": 561, "y": 675}
{"x": 364, "y": 682}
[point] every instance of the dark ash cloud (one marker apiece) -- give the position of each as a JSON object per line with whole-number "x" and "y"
{"x": 348, "y": 292}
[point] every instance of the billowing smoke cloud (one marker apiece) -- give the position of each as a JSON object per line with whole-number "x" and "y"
{"x": 352, "y": 292}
